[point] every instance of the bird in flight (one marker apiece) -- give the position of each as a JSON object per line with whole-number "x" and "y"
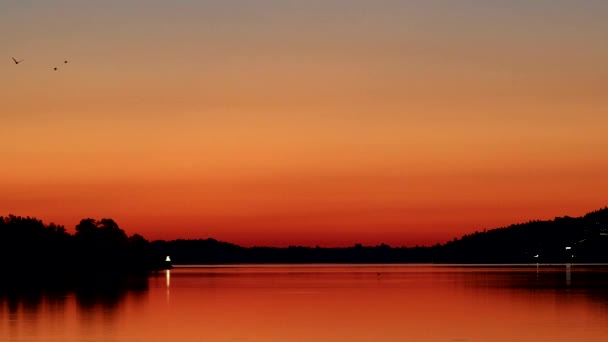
{"x": 55, "y": 69}
{"x": 65, "y": 62}
{"x": 16, "y": 61}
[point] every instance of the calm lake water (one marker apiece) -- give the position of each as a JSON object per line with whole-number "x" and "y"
{"x": 318, "y": 303}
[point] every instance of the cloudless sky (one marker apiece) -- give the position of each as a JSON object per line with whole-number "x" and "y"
{"x": 303, "y": 122}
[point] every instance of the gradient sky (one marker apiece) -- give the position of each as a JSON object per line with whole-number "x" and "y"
{"x": 304, "y": 122}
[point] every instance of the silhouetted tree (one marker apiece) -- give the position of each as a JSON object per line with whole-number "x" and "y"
{"x": 102, "y": 245}
{"x": 27, "y": 244}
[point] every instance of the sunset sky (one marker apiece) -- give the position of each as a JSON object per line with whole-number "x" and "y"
{"x": 283, "y": 122}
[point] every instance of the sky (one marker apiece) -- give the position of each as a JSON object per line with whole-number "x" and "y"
{"x": 303, "y": 122}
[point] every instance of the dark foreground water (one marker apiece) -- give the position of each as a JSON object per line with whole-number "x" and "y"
{"x": 317, "y": 303}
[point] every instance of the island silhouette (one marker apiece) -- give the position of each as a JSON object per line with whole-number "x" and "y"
{"x": 27, "y": 245}
{"x": 101, "y": 246}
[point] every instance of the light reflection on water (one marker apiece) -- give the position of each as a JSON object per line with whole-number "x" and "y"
{"x": 316, "y": 303}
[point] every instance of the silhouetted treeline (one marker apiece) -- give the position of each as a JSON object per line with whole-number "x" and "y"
{"x": 534, "y": 241}
{"x": 27, "y": 244}
{"x": 211, "y": 251}
{"x": 564, "y": 239}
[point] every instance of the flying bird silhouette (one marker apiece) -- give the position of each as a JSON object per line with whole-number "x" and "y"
{"x": 55, "y": 69}
{"x": 16, "y": 61}
{"x": 65, "y": 62}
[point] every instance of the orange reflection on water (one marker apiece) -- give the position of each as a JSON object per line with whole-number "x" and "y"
{"x": 339, "y": 303}
{"x": 368, "y": 304}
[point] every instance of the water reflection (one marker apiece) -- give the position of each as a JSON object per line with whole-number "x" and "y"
{"x": 106, "y": 291}
{"x": 562, "y": 277}
{"x": 37, "y": 307}
{"x": 312, "y": 303}
{"x": 404, "y": 303}
{"x": 168, "y": 284}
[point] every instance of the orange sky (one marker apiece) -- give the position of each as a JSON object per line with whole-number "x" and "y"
{"x": 325, "y": 122}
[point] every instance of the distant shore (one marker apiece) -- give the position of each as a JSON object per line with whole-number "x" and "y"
{"x": 371, "y": 265}
{"x": 102, "y": 246}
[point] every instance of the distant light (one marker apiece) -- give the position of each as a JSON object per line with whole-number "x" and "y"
{"x": 168, "y": 259}
{"x": 536, "y": 256}
{"x": 567, "y": 248}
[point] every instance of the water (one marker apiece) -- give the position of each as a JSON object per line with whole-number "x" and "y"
{"x": 318, "y": 303}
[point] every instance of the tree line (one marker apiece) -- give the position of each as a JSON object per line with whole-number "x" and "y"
{"x": 27, "y": 243}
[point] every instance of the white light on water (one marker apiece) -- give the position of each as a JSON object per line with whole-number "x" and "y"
{"x": 168, "y": 259}
{"x": 567, "y": 248}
